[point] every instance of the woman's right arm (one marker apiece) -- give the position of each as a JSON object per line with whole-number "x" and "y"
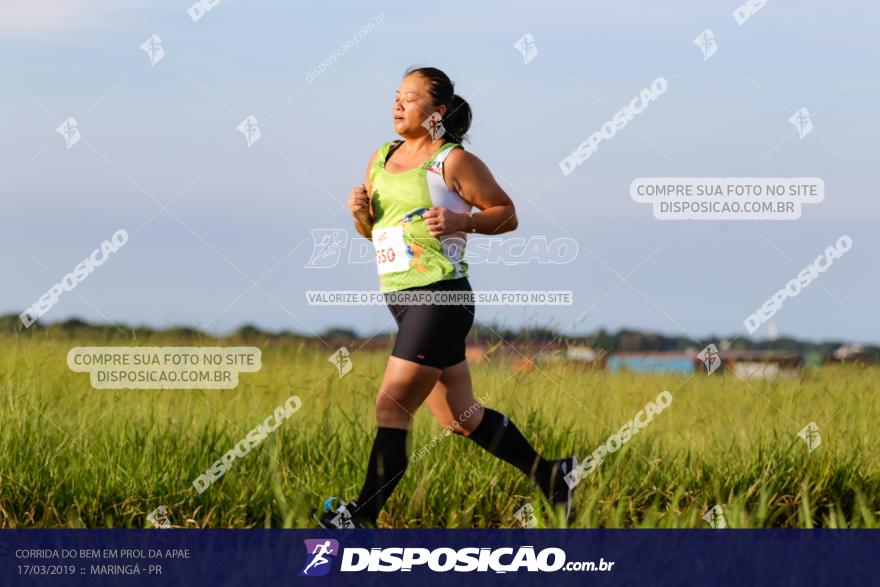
{"x": 360, "y": 205}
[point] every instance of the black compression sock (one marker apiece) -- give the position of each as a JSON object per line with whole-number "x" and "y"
{"x": 498, "y": 435}
{"x": 388, "y": 461}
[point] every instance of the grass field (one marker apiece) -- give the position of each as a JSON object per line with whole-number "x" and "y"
{"x": 72, "y": 456}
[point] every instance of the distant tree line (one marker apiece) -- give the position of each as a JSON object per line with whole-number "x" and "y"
{"x": 622, "y": 341}
{"x": 626, "y": 340}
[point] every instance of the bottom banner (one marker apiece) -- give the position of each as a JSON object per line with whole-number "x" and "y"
{"x": 438, "y": 557}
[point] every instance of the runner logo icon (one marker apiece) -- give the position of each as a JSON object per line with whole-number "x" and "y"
{"x": 318, "y": 560}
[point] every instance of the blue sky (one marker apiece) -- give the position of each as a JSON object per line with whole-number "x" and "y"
{"x": 244, "y": 213}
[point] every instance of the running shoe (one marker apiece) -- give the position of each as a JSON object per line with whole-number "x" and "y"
{"x": 343, "y": 517}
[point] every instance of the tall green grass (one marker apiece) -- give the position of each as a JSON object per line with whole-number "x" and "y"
{"x": 72, "y": 456}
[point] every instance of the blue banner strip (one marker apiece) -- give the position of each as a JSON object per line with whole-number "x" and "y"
{"x": 439, "y": 557}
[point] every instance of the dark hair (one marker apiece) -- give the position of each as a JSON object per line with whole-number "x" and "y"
{"x": 458, "y": 116}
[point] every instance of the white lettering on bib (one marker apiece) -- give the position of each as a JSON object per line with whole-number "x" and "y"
{"x": 391, "y": 255}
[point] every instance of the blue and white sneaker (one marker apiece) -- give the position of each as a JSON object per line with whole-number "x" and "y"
{"x": 343, "y": 517}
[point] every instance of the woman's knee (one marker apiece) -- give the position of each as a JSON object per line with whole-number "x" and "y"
{"x": 390, "y": 412}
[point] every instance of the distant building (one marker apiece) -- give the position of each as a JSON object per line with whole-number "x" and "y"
{"x": 847, "y": 351}
{"x": 852, "y": 354}
{"x": 582, "y": 354}
{"x": 762, "y": 364}
{"x": 654, "y": 362}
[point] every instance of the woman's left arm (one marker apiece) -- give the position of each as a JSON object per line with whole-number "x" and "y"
{"x": 465, "y": 173}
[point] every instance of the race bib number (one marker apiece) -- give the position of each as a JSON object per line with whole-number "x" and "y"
{"x": 391, "y": 255}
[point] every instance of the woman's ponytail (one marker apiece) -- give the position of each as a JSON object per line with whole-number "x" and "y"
{"x": 458, "y": 119}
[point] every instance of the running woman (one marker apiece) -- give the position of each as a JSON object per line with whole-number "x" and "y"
{"x": 416, "y": 207}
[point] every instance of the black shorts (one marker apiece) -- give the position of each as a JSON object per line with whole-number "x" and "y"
{"x": 433, "y": 334}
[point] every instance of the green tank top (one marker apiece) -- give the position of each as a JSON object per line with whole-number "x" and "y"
{"x": 406, "y": 254}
